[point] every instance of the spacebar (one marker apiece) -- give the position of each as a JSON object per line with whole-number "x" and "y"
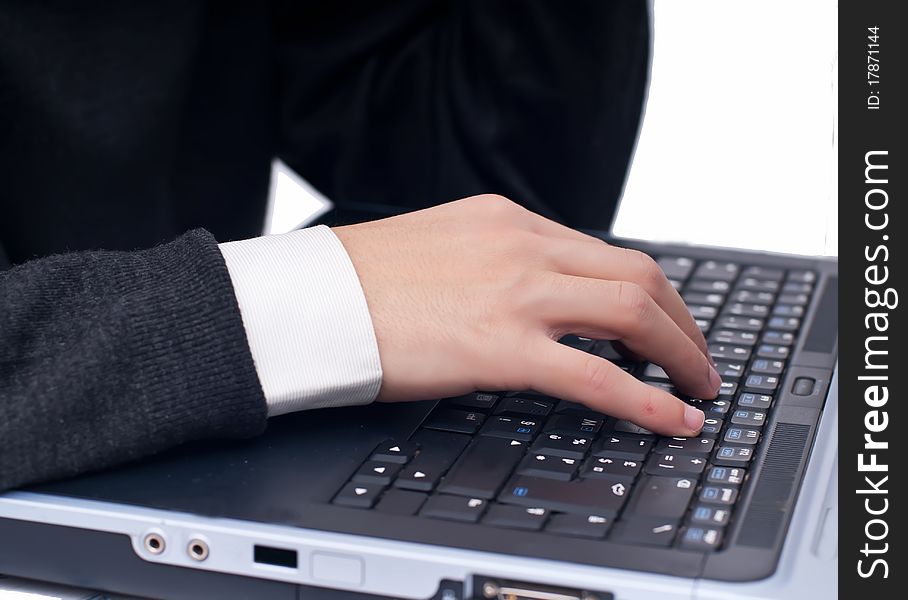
{"x": 483, "y": 468}
{"x": 602, "y": 497}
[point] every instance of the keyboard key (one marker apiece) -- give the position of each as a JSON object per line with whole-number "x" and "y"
{"x": 785, "y": 323}
{"x": 575, "y": 425}
{"x": 747, "y": 310}
{"x": 678, "y": 268}
{"x": 582, "y": 496}
{"x": 655, "y": 372}
{"x": 606, "y": 349}
{"x": 687, "y": 446}
{"x": 753, "y": 284}
{"x": 564, "y": 446}
{"x": 519, "y": 406}
{"x": 481, "y": 401}
{"x": 623, "y": 446}
{"x": 438, "y": 451}
{"x": 761, "y": 383}
{"x": 748, "y": 418}
{"x": 727, "y": 389}
{"x": 787, "y": 310}
{"x": 551, "y": 467}
{"x": 676, "y": 465}
{"x": 709, "y": 286}
{"x": 711, "y": 427}
{"x": 611, "y": 467}
{"x": 729, "y": 352}
{"x": 716, "y": 495}
{"x": 770, "y": 351}
{"x": 723, "y": 271}
{"x": 400, "y": 502}
{"x": 564, "y": 407}
{"x": 794, "y": 287}
{"x": 358, "y": 495}
{"x": 764, "y": 273}
{"x": 713, "y": 408}
{"x": 732, "y": 337}
{"x": 740, "y": 435}
{"x": 704, "y": 298}
{"x": 394, "y": 451}
{"x": 457, "y": 421}
{"x": 726, "y": 475}
{"x": 748, "y": 400}
{"x": 373, "y": 471}
{"x": 516, "y": 517}
{"x": 801, "y": 276}
{"x": 665, "y": 386}
{"x": 483, "y": 468}
{"x": 763, "y": 366}
{"x": 585, "y": 526}
{"x": 740, "y": 323}
{"x": 749, "y": 297}
{"x": 702, "y": 312}
{"x": 454, "y": 508}
{"x": 794, "y": 299}
{"x": 661, "y": 497}
{"x": 703, "y": 325}
{"x": 701, "y": 538}
{"x": 778, "y": 338}
{"x": 513, "y": 428}
{"x": 729, "y": 370}
{"x": 710, "y": 515}
{"x": 647, "y": 532}
{"x": 580, "y": 343}
{"x": 625, "y": 426}
{"x": 733, "y": 456}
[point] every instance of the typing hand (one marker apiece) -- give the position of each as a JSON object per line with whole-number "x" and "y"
{"x": 474, "y": 294}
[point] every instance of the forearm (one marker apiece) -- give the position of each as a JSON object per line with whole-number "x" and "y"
{"x": 106, "y": 357}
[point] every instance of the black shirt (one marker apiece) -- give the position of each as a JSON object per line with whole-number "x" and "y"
{"x": 123, "y": 125}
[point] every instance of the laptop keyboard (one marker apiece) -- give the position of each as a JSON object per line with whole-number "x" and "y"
{"x": 522, "y": 460}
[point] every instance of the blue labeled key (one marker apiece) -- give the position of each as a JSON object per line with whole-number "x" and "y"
{"x": 516, "y": 428}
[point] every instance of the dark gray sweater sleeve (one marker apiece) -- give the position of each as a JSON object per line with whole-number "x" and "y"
{"x": 106, "y": 357}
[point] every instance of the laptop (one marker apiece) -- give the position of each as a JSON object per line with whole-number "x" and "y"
{"x": 498, "y": 493}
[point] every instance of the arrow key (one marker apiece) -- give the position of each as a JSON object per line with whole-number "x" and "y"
{"x": 358, "y": 495}
{"x": 394, "y": 451}
{"x": 374, "y": 471}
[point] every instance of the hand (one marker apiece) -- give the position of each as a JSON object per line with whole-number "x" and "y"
{"x": 474, "y": 294}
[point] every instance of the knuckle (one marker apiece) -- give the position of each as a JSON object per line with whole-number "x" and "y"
{"x": 634, "y": 303}
{"x": 597, "y": 374}
{"x": 649, "y": 273}
{"x": 496, "y": 205}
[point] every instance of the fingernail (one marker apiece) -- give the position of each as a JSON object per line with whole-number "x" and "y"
{"x": 693, "y": 418}
{"x": 715, "y": 381}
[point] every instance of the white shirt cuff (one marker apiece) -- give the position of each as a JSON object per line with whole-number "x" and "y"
{"x": 306, "y": 320}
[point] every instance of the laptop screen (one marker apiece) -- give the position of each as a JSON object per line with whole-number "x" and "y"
{"x": 737, "y": 144}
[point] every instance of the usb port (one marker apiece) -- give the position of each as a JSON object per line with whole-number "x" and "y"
{"x": 278, "y": 557}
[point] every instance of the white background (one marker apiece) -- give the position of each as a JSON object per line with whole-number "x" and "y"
{"x": 737, "y": 146}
